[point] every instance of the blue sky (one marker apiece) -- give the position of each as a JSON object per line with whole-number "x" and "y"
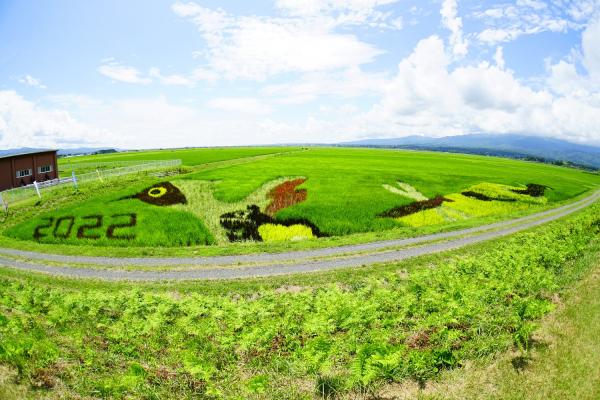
{"x": 139, "y": 74}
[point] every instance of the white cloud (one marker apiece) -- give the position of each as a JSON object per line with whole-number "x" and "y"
{"x": 343, "y": 12}
{"x": 352, "y": 82}
{"x": 25, "y": 124}
{"x": 259, "y": 47}
{"x": 245, "y": 105}
{"x": 123, "y": 73}
{"x": 204, "y": 74}
{"x": 317, "y": 7}
{"x": 130, "y": 74}
{"x": 428, "y": 93}
{"x": 499, "y": 57}
{"x": 582, "y": 10}
{"x": 428, "y": 97}
{"x": 536, "y": 5}
{"x": 507, "y": 22}
{"x": 31, "y": 81}
{"x": 453, "y": 23}
{"x": 591, "y": 49}
{"x": 177, "y": 80}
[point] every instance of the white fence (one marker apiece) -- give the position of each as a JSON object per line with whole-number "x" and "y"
{"x": 21, "y": 193}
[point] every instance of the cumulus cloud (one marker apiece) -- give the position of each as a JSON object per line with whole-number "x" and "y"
{"x": 429, "y": 97}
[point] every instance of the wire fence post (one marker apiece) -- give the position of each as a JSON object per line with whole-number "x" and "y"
{"x": 74, "y": 181}
{"x": 4, "y": 204}
{"x": 37, "y": 189}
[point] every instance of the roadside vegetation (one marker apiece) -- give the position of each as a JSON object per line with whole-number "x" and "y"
{"x": 333, "y": 335}
{"x": 561, "y": 363}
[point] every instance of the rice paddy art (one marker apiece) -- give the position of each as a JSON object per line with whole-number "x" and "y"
{"x": 415, "y": 207}
{"x": 253, "y": 224}
{"x": 405, "y": 190}
{"x": 479, "y": 200}
{"x": 533, "y": 189}
{"x": 160, "y": 194}
{"x": 63, "y": 227}
{"x": 286, "y": 195}
{"x": 303, "y": 196}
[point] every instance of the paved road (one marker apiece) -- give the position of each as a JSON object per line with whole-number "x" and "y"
{"x": 298, "y": 261}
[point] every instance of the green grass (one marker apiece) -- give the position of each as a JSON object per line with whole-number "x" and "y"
{"x": 344, "y": 332}
{"x": 347, "y": 191}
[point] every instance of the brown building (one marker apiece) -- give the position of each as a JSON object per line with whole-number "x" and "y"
{"x": 20, "y": 169}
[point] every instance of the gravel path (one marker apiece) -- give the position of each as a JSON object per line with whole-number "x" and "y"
{"x": 483, "y": 233}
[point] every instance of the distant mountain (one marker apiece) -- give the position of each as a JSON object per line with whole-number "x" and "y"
{"x": 515, "y": 146}
{"x": 85, "y": 150}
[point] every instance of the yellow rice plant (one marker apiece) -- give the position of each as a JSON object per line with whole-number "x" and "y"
{"x": 278, "y": 233}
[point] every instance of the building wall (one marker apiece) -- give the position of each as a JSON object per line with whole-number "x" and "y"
{"x": 19, "y": 163}
{"x": 45, "y": 159}
{"x": 6, "y": 178}
{"x": 9, "y": 167}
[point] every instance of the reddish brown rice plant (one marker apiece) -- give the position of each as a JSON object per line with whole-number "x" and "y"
{"x": 285, "y": 195}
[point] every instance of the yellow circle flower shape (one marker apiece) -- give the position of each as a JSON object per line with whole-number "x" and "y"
{"x": 157, "y": 192}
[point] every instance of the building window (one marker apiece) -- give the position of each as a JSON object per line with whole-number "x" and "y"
{"x": 23, "y": 173}
{"x": 44, "y": 169}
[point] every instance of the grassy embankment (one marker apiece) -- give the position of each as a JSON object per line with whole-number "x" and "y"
{"x": 562, "y": 362}
{"x": 339, "y": 334}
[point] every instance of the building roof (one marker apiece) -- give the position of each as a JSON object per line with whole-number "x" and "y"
{"x": 23, "y": 152}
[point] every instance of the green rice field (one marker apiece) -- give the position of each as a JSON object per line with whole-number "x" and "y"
{"x": 189, "y": 157}
{"x": 295, "y": 195}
